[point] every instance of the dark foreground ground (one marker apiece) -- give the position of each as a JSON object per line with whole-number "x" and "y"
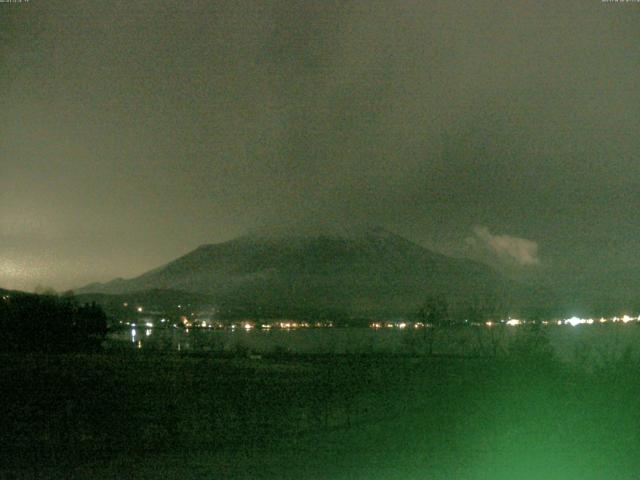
{"x": 136, "y": 415}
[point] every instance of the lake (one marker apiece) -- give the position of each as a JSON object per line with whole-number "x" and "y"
{"x": 583, "y": 343}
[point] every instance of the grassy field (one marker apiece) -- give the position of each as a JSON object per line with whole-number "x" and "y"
{"x": 141, "y": 415}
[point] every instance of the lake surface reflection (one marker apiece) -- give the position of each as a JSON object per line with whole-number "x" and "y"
{"x": 584, "y": 343}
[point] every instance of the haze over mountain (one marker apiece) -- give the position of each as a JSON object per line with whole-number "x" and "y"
{"x": 284, "y": 269}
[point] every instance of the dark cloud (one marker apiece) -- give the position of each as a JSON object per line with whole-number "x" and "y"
{"x": 134, "y": 131}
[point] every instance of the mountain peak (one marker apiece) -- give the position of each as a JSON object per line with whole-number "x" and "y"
{"x": 282, "y": 231}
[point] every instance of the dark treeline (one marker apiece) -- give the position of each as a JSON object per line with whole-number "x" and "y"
{"x": 49, "y": 323}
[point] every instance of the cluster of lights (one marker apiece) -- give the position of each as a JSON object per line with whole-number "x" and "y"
{"x": 243, "y": 325}
{"x": 514, "y": 322}
{"x": 206, "y": 324}
{"x": 401, "y": 325}
{"x": 626, "y": 319}
{"x": 249, "y": 325}
{"x": 290, "y": 324}
{"x": 575, "y": 321}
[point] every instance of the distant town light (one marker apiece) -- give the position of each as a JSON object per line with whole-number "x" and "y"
{"x": 139, "y": 309}
{"x": 574, "y": 321}
{"x": 512, "y": 322}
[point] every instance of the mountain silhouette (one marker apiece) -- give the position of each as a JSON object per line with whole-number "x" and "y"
{"x": 284, "y": 269}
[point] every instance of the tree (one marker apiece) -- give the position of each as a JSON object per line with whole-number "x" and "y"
{"x": 435, "y": 311}
{"x": 434, "y": 314}
{"x": 48, "y": 323}
{"x": 484, "y": 308}
{"x": 90, "y": 325}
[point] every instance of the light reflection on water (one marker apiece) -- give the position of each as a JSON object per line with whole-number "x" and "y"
{"x": 594, "y": 342}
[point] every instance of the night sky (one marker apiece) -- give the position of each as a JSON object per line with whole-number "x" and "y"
{"x": 132, "y": 132}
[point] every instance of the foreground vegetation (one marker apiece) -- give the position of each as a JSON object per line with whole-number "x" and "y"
{"x": 145, "y": 415}
{"x": 49, "y": 323}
